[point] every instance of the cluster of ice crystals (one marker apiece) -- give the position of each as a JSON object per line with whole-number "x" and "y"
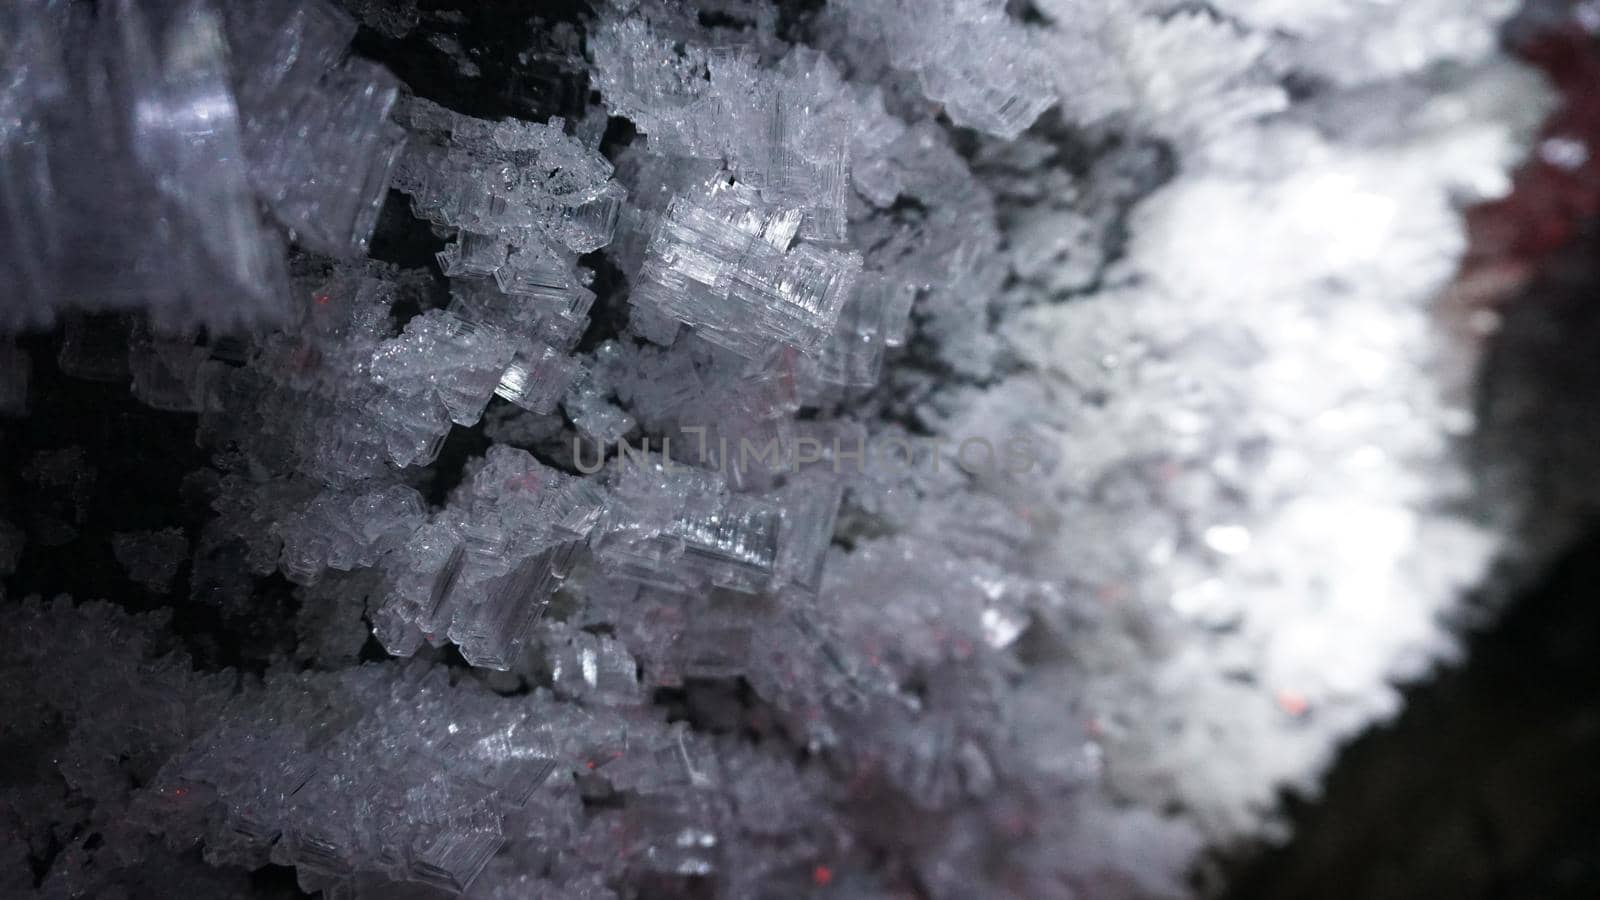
{"x": 681, "y": 528}
{"x": 303, "y": 99}
{"x": 481, "y": 571}
{"x": 968, "y": 55}
{"x": 917, "y": 450}
{"x": 509, "y": 182}
{"x": 725, "y": 264}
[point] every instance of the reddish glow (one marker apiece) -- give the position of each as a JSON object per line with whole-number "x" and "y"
{"x": 1111, "y": 593}
{"x": 323, "y": 299}
{"x": 822, "y": 876}
{"x": 1512, "y": 236}
{"x": 179, "y": 792}
{"x": 1292, "y": 703}
{"x": 527, "y": 481}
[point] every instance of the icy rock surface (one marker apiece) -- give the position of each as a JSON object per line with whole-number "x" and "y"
{"x": 896, "y": 447}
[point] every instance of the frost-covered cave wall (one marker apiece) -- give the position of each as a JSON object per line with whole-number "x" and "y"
{"x": 1059, "y": 444}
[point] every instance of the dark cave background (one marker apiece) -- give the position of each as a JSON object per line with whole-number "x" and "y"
{"x": 1486, "y": 786}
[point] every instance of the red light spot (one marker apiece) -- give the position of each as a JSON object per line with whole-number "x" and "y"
{"x": 179, "y": 792}
{"x": 822, "y": 876}
{"x": 1292, "y": 703}
{"x": 323, "y": 299}
{"x": 590, "y": 764}
{"x": 1015, "y": 825}
{"x": 527, "y": 481}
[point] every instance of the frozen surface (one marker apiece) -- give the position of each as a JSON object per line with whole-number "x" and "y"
{"x": 896, "y": 446}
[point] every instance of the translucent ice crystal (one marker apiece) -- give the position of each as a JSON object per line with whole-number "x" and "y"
{"x": 967, "y": 54}
{"x": 508, "y": 182}
{"x": 179, "y": 118}
{"x": 159, "y": 112}
{"x": 442, "y": 355}
{"x": 725, "y": 263}
{"x": 316, "y": 130}
{"x": 482, "y": 575}
{"x": 791, "y": 132}
{"x": 679, "y": 527}
{"x": 348, "y": 529}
